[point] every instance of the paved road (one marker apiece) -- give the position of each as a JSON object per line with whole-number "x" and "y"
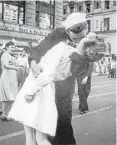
{"x": 97, "y": 127}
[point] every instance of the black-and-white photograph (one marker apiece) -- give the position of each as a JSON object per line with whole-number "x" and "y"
{"x": 58, "y": 72}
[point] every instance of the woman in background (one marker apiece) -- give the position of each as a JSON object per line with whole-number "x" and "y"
{"x": 8, "y": 82}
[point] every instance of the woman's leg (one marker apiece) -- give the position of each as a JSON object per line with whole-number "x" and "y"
{"x": 5, "y": 108}
{"x": 10, "y": 104}
{"x": 0, "y": 108}
{"x": 41, "y": 138}
{"x": 30, "y": 135}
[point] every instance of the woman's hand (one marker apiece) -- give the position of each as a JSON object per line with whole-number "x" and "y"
{"x": 29, "y": 98}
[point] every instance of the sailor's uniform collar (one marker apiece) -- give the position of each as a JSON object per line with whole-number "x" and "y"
{"x": 71, "y": 43}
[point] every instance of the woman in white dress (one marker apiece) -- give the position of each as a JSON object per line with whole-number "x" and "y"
{"x": 41, "y": 113}
{"x": 35, "y": 104}
{"x": 8, "y": 81}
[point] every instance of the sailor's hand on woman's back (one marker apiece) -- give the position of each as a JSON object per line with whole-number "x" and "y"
{"x": 36, "y": 69}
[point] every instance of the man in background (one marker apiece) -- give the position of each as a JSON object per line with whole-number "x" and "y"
{"x": 113, "y": 69}
{"x": 84, "y": 86}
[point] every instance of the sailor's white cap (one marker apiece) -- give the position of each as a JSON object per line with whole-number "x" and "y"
{"x": 74, "y": 19}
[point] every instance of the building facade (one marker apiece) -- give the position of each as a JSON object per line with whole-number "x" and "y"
{"x": 101, "y": 17}
{"x": 28, "y": 22}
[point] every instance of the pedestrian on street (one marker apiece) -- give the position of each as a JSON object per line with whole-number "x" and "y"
{"x": 101, "y": 68}
{"x": 105, "y": 66}
{"x": 113, "y": 69}
{"x": 84, "y": 86}
{"x": 109, "y": 68}
{"x": 8, "y": 80}
{"x": 84, "y": 81}
{"x": 22, "y": 62}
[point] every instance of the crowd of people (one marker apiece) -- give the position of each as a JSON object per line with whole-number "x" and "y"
{"x": 42, "y": 101}
{"x": 106, "y": 67}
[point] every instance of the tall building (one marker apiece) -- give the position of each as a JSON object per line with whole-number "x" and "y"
{"x": 101, "y": 17}
{"x": 28, "y": 22}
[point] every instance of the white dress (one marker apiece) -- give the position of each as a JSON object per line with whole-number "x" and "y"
{"x": 8, "y": 80}
{"x": 41, "y": 113}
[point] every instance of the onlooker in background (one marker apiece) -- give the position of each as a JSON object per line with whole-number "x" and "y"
{"x": 84, "y": 80}
{"x": 22, "y": 62}
{"x": 109, "y": 68}
{"x": 100, "y": 72}
{"x": 84, "y": 87}
{"x": 105, "y": 67}
{"x": 101, "y": 68}
{"x": 8, "y": 82}
{"x": 113, "y": 69}
{"x": 97, "y": 67}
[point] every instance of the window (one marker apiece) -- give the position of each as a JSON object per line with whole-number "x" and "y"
{"x": 114, "y": 2}
{"x": 44, "y": 20}
{"x": 96, "y": 23}
{"x": 97, "y": 4}
{"x": 52, "y": 2}
{"x": 65, "y": 9}
{"x": 80, "y": 8}
{"x": 106, "y": 24}
{"x": 12, "y": 12}
{"x": 71, "y": 10}
{"x": 37, "y": 19}
{"x": 88, "y": 8}
{"x": 89, "y": 25}
{"x": 45, "y": 14}
{"x": 107, "y": 4}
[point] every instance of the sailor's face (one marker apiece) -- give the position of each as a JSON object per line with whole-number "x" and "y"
{"x": 77, "y": 37}
{"x": 77, "y": 32}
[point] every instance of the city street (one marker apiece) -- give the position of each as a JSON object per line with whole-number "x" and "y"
{"x": 97, "y": 127}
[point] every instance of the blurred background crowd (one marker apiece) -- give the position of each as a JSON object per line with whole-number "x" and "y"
{"x": 106, "y": 66}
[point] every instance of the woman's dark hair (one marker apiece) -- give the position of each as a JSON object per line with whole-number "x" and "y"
{"x": 9, "y": 43}
{"x": 53, "y": 38}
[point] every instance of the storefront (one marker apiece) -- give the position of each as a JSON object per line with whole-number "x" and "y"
{"x": 28, "y": 22}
